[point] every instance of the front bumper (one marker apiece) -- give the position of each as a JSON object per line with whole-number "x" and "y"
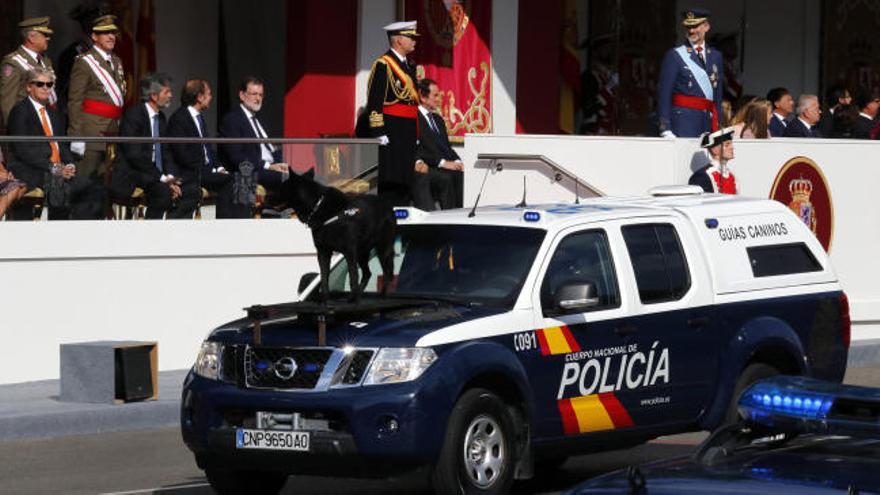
{"x": 211, "y": 411}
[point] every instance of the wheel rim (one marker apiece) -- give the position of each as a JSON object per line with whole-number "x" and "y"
{"x": 484, "y": 451}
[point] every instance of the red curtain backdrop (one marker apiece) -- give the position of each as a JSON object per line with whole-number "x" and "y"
{"x": 454, "y": 50}
{"x": 538, "y": 66}
{"x": 321, "y": 69}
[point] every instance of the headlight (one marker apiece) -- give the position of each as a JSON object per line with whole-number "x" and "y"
{"x": 395, "y": 365}
{"x": 208, "y": 362}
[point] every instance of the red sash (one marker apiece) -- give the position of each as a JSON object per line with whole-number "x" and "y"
{"x": 101, "y": 109}
{"x": 401, "y": 110}
{"x": 697, "y": 103}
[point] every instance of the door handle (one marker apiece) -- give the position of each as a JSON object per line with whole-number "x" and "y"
{"x": 698, "y": 321}
{"x": 626, "y": 330}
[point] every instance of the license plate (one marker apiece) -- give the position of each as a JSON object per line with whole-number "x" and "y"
{"x": 272, "y": 440}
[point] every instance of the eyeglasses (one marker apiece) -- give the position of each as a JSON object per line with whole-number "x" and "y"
{"x": 41, "y": 84}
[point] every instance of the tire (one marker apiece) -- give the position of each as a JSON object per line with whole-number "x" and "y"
{"x": 229, "y": 482}
{"x": 479, "y": 450}
{"x": 752, "y": 373}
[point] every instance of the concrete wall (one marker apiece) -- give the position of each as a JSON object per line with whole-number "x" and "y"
{"x": 172, "y": 282}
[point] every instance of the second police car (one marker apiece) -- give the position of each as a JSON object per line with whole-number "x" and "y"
{"x": 517, "y": 336}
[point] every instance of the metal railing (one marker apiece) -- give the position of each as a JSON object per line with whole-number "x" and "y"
{"x": 558, "y": 171}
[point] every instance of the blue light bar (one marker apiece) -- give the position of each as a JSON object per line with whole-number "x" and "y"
{"x": 770, "y": 398}
{"x": 532, "y": 216}
{"x": 401, "y": 214}
{"x": 712, "y": 223}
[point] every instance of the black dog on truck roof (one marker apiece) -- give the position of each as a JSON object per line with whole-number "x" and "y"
{"x": 350, "y": 224}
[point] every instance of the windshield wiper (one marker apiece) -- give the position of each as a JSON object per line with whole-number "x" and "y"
{"x": 434, "y": 298}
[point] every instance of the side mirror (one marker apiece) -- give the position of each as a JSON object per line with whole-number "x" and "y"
{"x": 575, "y": 296}
{"x": 305, "y": 280}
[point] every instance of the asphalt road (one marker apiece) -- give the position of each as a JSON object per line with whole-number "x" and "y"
{"x": 157, "y": 462}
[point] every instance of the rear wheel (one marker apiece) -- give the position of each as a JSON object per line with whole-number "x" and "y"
{"x": 229, "y": 482}
{"x": 479, "y": 450}
{"x": 752, "y": 373}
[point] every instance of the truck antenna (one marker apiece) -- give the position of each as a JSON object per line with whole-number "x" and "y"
{"x": 498, "y": 168}
{"x": 577, "y": 197}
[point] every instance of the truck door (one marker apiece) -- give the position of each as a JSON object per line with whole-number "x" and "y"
{"x": 672, "y": 323}
{"x": 576, "y": 375}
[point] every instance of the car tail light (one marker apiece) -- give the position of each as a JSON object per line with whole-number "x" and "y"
{"x": 845, "y": 321}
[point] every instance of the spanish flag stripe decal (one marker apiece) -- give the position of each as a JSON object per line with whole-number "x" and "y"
{"x": 542, "y": 340}
{"x": 572, "y": 343}
{"x": 569, "y": 419}
{"x": 556, "y": 338}
{"x": 591, "y": 414}
{"x": 616, "y": 410}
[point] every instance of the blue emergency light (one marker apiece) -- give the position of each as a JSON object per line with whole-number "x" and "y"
{"x": 809, "y": 405}
{"x": 532, "y": 216}
{"x": 401, "y": 214}
{"x": 769, "y": 398}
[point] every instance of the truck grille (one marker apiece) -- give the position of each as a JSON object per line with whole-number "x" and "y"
{"x": 284, "y": 368}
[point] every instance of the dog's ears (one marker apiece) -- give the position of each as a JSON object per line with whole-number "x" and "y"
{"x": 309, "y": 174}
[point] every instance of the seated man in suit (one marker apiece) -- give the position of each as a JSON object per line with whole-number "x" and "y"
{"x": 868, "y": 103}
{"x": 439, "y": 169}
{"x": 197, "y": 164}
{"x": 243, "y": 122}
{"x": 149, "y": 165}
{"x": 783, "y": 104}
{"x": 808, "y": 115}
{"x": 48, "y": 164}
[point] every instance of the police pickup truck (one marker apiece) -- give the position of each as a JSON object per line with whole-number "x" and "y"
{"x": 515, "y": 337}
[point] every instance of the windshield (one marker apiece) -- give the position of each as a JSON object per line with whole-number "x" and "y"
{"x": 465, "y": 263}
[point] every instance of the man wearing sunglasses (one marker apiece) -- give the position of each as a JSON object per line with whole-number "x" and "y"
{"x": 48, "y": 164}
{"x": 35, "y": 33}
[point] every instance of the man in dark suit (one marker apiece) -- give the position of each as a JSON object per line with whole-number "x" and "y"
{"x": 439, "y": 171}
{"x": 243, "y": 122}
{"x": 808, "y": 115}
{"x": 48, "y": 165}
{"x": 868, "y": 103}
{"x": 150, "y": 165}
{"x": 836, "y": 97}
{"x": 783, "y": 105}
{"x": 197, "y": 164}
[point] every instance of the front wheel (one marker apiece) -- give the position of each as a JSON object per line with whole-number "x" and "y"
{"x": 479, "y": 449}
{"x": 752, "y": 373}
{"x": 229, "y": 482}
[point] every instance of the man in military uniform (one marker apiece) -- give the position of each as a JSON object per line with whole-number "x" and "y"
{"x": 690, "y": 88}
{"x": 96, "y": 97}
{"x": 716, "y": 177}
{"x": 392, "y": 111}
{"x": 35, "y": 33}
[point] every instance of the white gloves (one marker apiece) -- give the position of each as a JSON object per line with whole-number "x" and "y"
{"x": 78, "y": 147}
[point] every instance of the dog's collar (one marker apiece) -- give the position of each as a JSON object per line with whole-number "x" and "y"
{"x": 350, "y": 212}
{"x": 311, "y": 214}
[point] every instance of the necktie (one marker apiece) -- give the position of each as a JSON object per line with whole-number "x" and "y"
{"x": 700, "y": 54}
{"x": 260, "y": 134}
{"x": 110, "y": 63}
{"x": 56, "y": 154}
{"x": 157, "y": 148}
{"x": 208, "y": 157}
{"x": 40, "y": 61}
{"x": 432, "y": 124}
